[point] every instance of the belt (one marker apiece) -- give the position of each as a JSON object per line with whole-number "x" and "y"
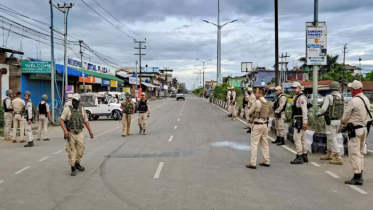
{"x": 258, "y": 123}
{"x": 334, "y": 119}
{"x": 359, "y": 126}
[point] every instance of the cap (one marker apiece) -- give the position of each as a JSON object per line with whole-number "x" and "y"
{"x": 232, "y": 87}
{"x": 295, "y": 84}
{"x": 70, "y": 96}
{"x": 250, "y": 89}
{"x": 127, "y": 94}
{"x": 278, "y": 88}
{"x": 143, "y": 94}
{"x": 355, "y": 85}
{"x": 76, "y": 96}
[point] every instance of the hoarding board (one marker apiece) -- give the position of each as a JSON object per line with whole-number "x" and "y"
{"x": 316, "y": 44}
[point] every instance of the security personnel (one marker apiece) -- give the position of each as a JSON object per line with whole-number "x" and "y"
{"x": 144, "y": 112}
{"x": 356, "y": 116}
{"x": 259, "y": 134}
{"x": 333, "y": 108}
{"x": 280, "y": 106}
{"x": 8, "y": 115}
{"x": 29, "y": 115}
{"x": 44, "y": 113}
{"x": 229, "y": 95}
{"x": 72, "y": 122}
{"x": 128, "y": 108}
{"x": 251, "y": 100}
{"x": 244, "y": 100}
{"x": 300, "y": 124}
{"x": 68, "y": 102}
{"x": 233, "y": 104}
{"x": 18, "y": 105}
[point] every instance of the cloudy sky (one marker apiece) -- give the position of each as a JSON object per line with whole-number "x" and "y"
{"x": 176, "y": 35}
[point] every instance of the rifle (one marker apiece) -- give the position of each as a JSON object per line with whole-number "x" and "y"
{"x": 326, "y": 117}
{"x": 68, "y": 128}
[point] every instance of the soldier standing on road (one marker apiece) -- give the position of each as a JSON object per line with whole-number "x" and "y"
{"x": 29, "y": 116}
{"x": 44, "y": 113}
{"x": 8, "y": 115}
{"x": 280, "y": 106}
{"x": 128, "y": 108}
{"x": 356, "y": 116}
{"x": 229, "y": 95}
{"x": 144, "y": 112}
{"x": 332, "y": 109}
{"x": 72, "y": 122}
{"x": 251, "y": 100}
{"x": 18, "y": 105}
{"x": 233, "y": 105}
{"x": 300, "y": 124}
{"x": 260, "y": 109}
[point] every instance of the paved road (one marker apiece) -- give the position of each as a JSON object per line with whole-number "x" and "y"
{"x": 193, "y": 157}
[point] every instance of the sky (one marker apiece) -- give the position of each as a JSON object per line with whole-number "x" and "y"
{"x": 176, "y": 35}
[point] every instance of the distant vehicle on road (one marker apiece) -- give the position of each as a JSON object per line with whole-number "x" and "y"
{"x": 319, "y": 99}
{"x": 180, "y": 96}
{"x": 271, "y": 97}
{"x": 173, "y": 95}
{"x": 209, "y": 93}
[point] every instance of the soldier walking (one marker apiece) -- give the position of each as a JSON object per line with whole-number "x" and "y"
{"x": 356, "y": 116}
{"x": 280, "y": 106}
{"x": 29, "y": 117}
{"x": 18, "y": 105}
{"x": 72, "y": 122}
{"x": 144, "y": 112}
{"x": 332, "y": 109}
{"x": 8, "y": 115}
{"x": 259, "y": 134}
{"x": 44, "y": 113}
{"x": 300, "y": 124}
{"x": 128, "y": 108}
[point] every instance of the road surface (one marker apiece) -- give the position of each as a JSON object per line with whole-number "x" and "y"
{"x": 193, "y": 157}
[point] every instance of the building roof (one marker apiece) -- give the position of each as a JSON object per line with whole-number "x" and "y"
{"x": 309, "y": 84}
{"x": 351, "y": 68}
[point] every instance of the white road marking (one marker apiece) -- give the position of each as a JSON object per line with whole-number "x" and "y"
{"x": 272, "y": 139}
{"x": 58, "y": 152}
{"x": 44, "y": 158}
{"x": 358, "y": 189}
{"x": 171, "y": 137}
{"x": 332, "y": 174}
{"x": 23, "y": 169}
{"x": 175, "y": 127}
{"x": 291, "y": 150}
{"x": 370, "y": 150}
{"x": 156, "y": 175}
{"x": 315, "y": 164}
{"x": 180, "y": 114}
{"x": 178, "y": 119}
{"x": 1, "y": 181}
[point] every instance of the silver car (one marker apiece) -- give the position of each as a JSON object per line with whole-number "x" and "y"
{"x": 347, "y": 97}
{"x": 320, "y": 99}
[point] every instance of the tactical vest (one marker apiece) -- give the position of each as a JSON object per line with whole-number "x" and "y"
{"x": 128, "y": 107}
{"x": 43, "y": 109}
{"x": 5, "y": 106}
{"x": 277, "y": 103}
{"x": 336, "y": 109}
{"x": 25, "y": 111}
{"x": 143, "y": 107}
{"x": 231, "y": 98}
{"x": 76, "y": 122}
{"x": 263, "y": 112}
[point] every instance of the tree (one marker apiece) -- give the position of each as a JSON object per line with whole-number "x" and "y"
{"x": 330, "y": 65}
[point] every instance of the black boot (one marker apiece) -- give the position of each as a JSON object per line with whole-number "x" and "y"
{"x": 73, "y": 172}
{"x": 230, "y": 115}
{"x": 297, "y": 160}
{"x": 248, "y": 131}
{"x": 281, "y": 142}
{"x": 356, "y": 180}
{"x": 29, "y": 144}
{"x": 305, "y": 158}
{"x": 79, "y": 167}
{"x": 143, "y": 132}
{"x": 277, "y": 140}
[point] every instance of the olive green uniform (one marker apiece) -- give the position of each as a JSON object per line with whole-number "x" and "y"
{"x": 128, "y": 106}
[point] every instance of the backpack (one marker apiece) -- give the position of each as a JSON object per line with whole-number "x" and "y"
{"x": 336, "y": 110}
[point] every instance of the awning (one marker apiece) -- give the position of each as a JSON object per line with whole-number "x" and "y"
{"x": 149, "y": 85}
{"x": 70, "y": 71}
{"x": 100, "y": 75}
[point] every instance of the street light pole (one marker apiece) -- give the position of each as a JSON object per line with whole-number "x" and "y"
{"x": 203, "y": 69}
{"x": 316, "y": 67}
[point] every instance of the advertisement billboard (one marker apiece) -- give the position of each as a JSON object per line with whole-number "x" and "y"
{"x": 316, "y": 44}
{"x": 36, "y": 67}
{"x": 132, "y": 80}
{"x": 105, "y": 82}
{"x": 246, "y": 66}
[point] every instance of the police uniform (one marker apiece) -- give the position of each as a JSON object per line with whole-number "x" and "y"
{"x": 8, "y": 115}
{"x": 128, "y": 107}
{"x": 43, "y": 109}
{"x": 249, "y": 118}
{"x": 233, "y": 106}
{"x": 333, "y": 152}
{"x": 18, "y": 105}
{"x": 356, "y": 115}
{"x": 259, "y": 133}
{"x": 280, "y": 107}
{"x": 143, "y": 115}
{"x": 28, "y": 117}
{"x": 229, "y": 94}
{"x": 76, "y": 118}
{"x": 300, "y": 118}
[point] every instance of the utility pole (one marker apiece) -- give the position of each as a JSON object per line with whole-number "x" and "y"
{"x": 137, "y": 82}
{"x": 286, "y": 67}
{"x": 344, "y": 64}
{"x": 52, "y": 61}
{"x": 140, "y": 55}
{"x": 360, "y": 67}
{"x": 281, "y": 71}
{"x": 81, "y": 61}
{"x": 316, "y": 67}
{"x": 276, "y": 43}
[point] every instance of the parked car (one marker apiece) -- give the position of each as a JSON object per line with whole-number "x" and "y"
{"x": 209, "y": 93}
{"x": 270, "y": 97}
{"x": 173, "y": 95}
{"x": 347, "y": 97}
{"x": 180, "y": 96}
{"x": 319, "y": 99}
{"x": 121, "y": 96}
{"x": 97, "y": 105}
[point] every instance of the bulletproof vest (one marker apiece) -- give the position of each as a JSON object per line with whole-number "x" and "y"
{"x": 263, "y": 112}
{"x": 336, "y": 109}
{"x": 43, "y": 109}
{"x": 143, "y": 107}
{"x": 231, "y": 98}
{"x": 128, "y": 109}
{"x": 5, "y": 107}
{"x": 277, "y": 103}
{"x": 76, "y": 122}
{"x": 25, "y": 110}
{"x": 296, "y": 110}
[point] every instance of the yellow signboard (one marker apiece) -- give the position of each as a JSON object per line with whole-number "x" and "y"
{"x": 126, "y": 90}
{"x": 113, "y": 83}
